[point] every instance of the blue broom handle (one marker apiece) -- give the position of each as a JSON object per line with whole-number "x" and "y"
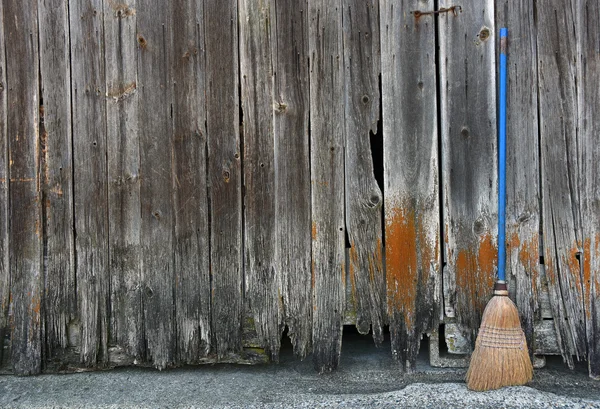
{"x": 502, "y": 160}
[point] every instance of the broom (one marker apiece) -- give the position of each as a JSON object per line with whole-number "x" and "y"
{"x": 501, "y": 357}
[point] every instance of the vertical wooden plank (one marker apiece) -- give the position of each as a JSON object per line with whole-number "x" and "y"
{"x": 411, "y": 173}
{"x": 123, "y": 144}
{"x": 523, "y": 186}
{"x": 327, "y": 180}
{"x": 363, "y": 198}
{"x": 469, "y": 163}
{"x": 224, "y": 173}
{"x": 192, "y": 274}
{"x": 292, "y": 168}
{"x": 4, "y": 198}
{"x": 557, "y": 53}
{"x": 262, "y": 280}
{"x": 25, "y": 247}
{"x": 154, "y": 20}
{"x": 90, "y": 187}
{"x": 588, "y": 30}
{"x": 60, "y": 303}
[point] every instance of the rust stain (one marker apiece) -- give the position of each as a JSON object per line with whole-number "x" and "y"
{"x": 401, "y": 261}
{"x": 121, "y": 93}
{"x": 475, "y": 273}
{"x": 314, "y": 230}
{"x": 529, "y": 259}
{"x": 121, "y": 10}
{"x": 354, "y": 265}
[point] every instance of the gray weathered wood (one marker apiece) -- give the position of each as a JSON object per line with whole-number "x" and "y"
{"x": 523, "y": 187}
{"x": 557, "y": 53}
{"x": 192, "y": 274}
{"x": 411, "y": 173}
{"x": 469, "y": 151}
{"x": 224, "y": 173}
{"x": 123, "y": 144}
{"x": 154, "y": 23}
{"x": 25, "y": 247}
{"x": 90, "y": 182}
{"x": 588, "y": 30}
{"x": 4, "y": 215}
{"x": 363, "y": 197}
{"x": 327, "y": 180}
{"x": 60, "y": 303}
{"x": 292, "y": 168}
{"x": 262, "y": 279}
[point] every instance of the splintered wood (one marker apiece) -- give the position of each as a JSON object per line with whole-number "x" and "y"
{"x": 190, "y": 182}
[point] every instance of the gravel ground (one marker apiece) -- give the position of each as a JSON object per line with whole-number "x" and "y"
{"x": 366, "y": 378}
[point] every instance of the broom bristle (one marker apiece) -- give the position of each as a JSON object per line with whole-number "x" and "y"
{"x": 501, "y": 357}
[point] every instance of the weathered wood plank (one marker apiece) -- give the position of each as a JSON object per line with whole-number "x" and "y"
{"x": 522, "y": 178}
{"x": 292, "y": 168}
{"x": 469, "y": 162}
{"x": 262, "y": 279}
{"x": 90, "y": 178}
{"x": 154, "y": 22}
{"x": 224, "y": 174}
{"x": 4, "y": 198}
{"x": 192, "y": 274}
{"x": 588, "y": 30}
{"x": 25, "y": 246}
{"x": 411, "y": 174}
{"x": 557, "y": 53}
{"x": 123, "y": 144}
{"x": 363, "y": 197}
{"x": 327, "y": 180}
{"x": 60, "y": 303}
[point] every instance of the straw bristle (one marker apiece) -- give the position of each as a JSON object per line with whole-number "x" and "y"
{"x": 501, "y": 357}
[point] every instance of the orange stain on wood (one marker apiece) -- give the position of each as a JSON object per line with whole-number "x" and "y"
{"x": 408, "y": 255}
{"x": 475, "y": 273}
{"x": 529, "y": 258}
{"x": 587, "y": 276}
{"x": 314, "y": 231}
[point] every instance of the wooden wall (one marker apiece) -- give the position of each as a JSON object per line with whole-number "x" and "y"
{"x": 182, "y": 181}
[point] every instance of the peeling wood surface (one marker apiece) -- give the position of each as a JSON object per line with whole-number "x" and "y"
{"x": 224, "y": 174}
{"x": 4, "y": 197}
{"x": 411, "y": 172}
{"x": 588, "y": 28}
{"x": 191, "y": 243}
{"x": 262, "y": 278}
{"x": 523, "y": 183}
{"x": 363, "y": 197}
{"x": 123, "y": 168}
{"x": 327, "y": 180}
{"x": 292, "y": 168}
{"x": 469, "y": 158}
{"x": 142, "y": 223}
{"x": 24, "y": 201}
{"x": 557, "y": 52}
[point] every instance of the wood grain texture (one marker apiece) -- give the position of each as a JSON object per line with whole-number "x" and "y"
{"x": 292, "y": 168}
{"x": 154, "y": 26}
{"x": 522, "y": 177}
{"x": 262, "y": 278}
{"x": 60, "y": 303}
{"x": 25, "y": 247}
{"x": 588, "y": 30}
{"x": 192, "y": 274}
{"x": 561, "y": 223}
{"x": 327, "y": 180}
{"x": 4, "y": 197}
{"x": 469, "y": 158}
{"x": 411, "y": 174}
{"x": 363, "y": 197}
{"x": 224, "y": 174}
{"x": 90, "y": 178}
{"x": 123, "y": 153}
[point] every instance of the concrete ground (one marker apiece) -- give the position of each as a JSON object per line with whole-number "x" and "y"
{"x": 366, "y": 378}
